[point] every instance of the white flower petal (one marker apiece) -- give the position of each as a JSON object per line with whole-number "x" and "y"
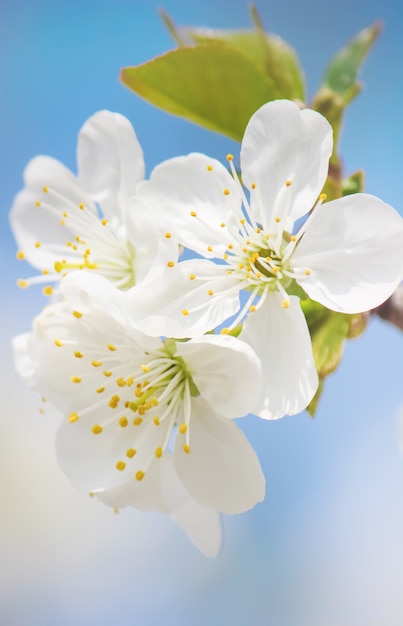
{"x": 195, "y": 200}
{"x": 162, "y": 491}
{"x": 37, "y": 216}
{"x": 226, "y": 371}
{"x": 281, "y": 339}
{"x": 174, "y": 305}
{"x": 110, "y": 161}
{"x": 283, "y": 143}
{"x": 222, "y": 471}
{"x": 353, "y": 248}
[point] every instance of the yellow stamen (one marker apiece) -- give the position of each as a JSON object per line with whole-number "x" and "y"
{"x": 156, "y": 421}
{"x": 100, "y": 389}
{"x": 186, "y": 448}
{"x": 193, "y": 213}
{"x": 140, "y": 475}
{"x": 77, "y": 314}
{"x": 97, "y": 429}
{"x": 73, "y": 417}
{"x": 192, "y": 276}
{"x": 210, "y": 168}
{"x": 185, "y": 312}
{"x": 58, "y": 342}
{"x": 123, "y": 422}
{"x": 120, "y": 465}
{"x": 230, "y": 157}
{"x": 170, "y": 264}
{"x": 158, "y": 453}
{"x": 47, "y": 291}
{"x": 285, "y": 304}
{"x": 183, "y": 428}
{"x": 111, "y": 347}
{"x": 96, "y": 363}
{"x": 78, "y": 354}
{"x": 130, "y": 453}
{"x": 288, "y": 183}
{"x": 22, "y": 283}
{"x": 45, "y": 189}
{"x": 323, "y": 196}
{"x": 114, "y": 401}
{"x": 75, "y": 379}
{"x": 20, "y": 255}
{"x": 168, "y": 235}
{"x": 137, "y": 421}
{"x": 226, "y": 192}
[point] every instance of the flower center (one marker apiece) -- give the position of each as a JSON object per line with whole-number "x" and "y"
{"x": 122, "y": 392}
{"x": 93, "y": 243}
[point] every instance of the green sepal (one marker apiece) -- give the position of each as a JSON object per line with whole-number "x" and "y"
{"x": 354, "y": 183}
{"x": 214, "y": 85}
{"x": 329, "y": 331}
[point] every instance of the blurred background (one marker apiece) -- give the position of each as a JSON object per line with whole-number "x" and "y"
{"x": 326, "y": 546}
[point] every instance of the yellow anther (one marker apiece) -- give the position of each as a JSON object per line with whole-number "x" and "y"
{"x": 293, "y": 238}
{"x": 58, "y": 342}
{"x": 120, "y": 465}
{"x": 224, "y": 331}
{"x": 252, "y": 308}
{"x": 130, "y": 381}
{"x": 73, "y": 417}
{"x": 210, "y": 249}
{"x": 222, "y": 225}
{"x": 186, "y": 448}
{"x": 307, "y": 272}
{"x": 285, "y": 304}
{"x": 185, "y": 312}
{"x": 183, "y": 428}
{"x": 111, "y": 347}
{"x": 323, "y": 196}
{"x": 104, "y": 222}
{"x": 22, "y": 283}
{"x": 156, "y": 421}
{"x": 225, "y": 256}
{"x": 44, "y": 272}
{"x": 230, "y": 157}
{"x": 123, "y": 422}
{"x": 168, "y": 235}
{"x": 58, "y": 266}
{"x": 277, "y": 219}
{"x": 130, "y": 453}
{"x": 115, "y": 509}
{"x": 75, "y": 379}
{"x": 91, "y": 494}
{"x": 114, "y": 401}
{"x": 81, "y": 205}
{"x": 137, "y": 421}
{"x": 37, "y": 203}
{"x": 107, "y": 373}
{"x": 97, "y": 429}
{"x": 193, "y": 213}
{"x": 226, "y": 192}
{"x": 100, "y": 389}
{"x": 210, "y": 168}
{"x": 210, "y": 292}
{"x": 229, "y": 272}
{"x": 192, "y": 276}
{"x": 121, "y": 382}
{"x": 170, "y": 264}
{"x": 230, "y": 246}
{"x": 288, "y": 183}
{"x": 258, "y": 230}
{"x": 145, "y": 369}
{"x": 96, "y": 363}
{"x": 20, "y": 255}
{"x": 77, "y": 238}
{"x": 77, "y": 314}
{"x": 241, "y": 266}
{"x": 140, "y": 475}
{"x": 45, "y": 189}
{"x": 78, "y": 354}
{"x": 158, "y": 453}
{"x": 242, "y": 221}
{"x": 47, "y": 291}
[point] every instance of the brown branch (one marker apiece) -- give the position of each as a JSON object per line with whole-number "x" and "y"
{"x": 392, "y": 309}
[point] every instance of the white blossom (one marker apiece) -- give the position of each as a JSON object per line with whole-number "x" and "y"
{"x": 62, "y": 222}
{"x": 347, "y": 254}
{"x": 147, "y": 422}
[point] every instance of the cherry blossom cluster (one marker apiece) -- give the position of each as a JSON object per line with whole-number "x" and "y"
{"x": 175, "y": 304}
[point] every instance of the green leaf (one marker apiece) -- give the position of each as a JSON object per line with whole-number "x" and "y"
{"x": 342, "y": 71}
{"x": 213, "y": 85}
{"x": 273, "y": 56}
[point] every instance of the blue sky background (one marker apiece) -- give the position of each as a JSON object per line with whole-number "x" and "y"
{"x": 326, "y": 546}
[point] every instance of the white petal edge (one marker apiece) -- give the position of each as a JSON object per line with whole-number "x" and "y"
{"x": 110, "y": 161}
{"x": 222, "y": 471}
{"x": 226, "y": 371}
{"x": 193, "y": 197}
{"x": 353, "y": 247}
{"x": 283, "y": 143}
{"x": 280, "y": 337}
